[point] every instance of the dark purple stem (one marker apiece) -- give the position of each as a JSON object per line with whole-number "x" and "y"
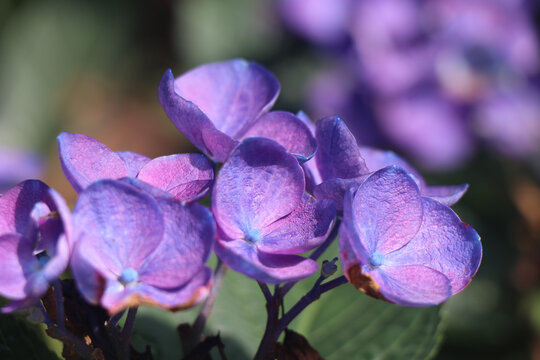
{"x": 272, "y": 309}
{"x": 59, "y": 304}
{"x": 314, "y": 294}
{"x": 275, "y": 326}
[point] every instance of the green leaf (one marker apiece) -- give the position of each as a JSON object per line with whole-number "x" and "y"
{"x": 346, "y": 324}
{"x": 343, "y": 324}
{"x": 22, "y": 340}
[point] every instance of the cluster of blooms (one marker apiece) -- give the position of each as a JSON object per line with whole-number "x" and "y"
{"x": 137, "y": 235}
{"x": 434, "y": 76}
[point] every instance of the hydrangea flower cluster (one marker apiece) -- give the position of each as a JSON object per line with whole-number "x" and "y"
{"x": 138, "y": 236}
{"x": 435, "y": 78}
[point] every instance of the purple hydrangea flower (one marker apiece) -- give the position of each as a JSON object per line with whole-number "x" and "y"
{"x": 16, "y": 166}
{"x": 188, "y": 177}
{"x": 323, "y": 21}
{"x": 263, "y": 215}
{"x": 342, "y": 164}
{"x": 132, "y": 248}
{"x": 403, "y": 247}
{"x": 35, "y": 242}
{"x": 432, "y": 71}
{"x": 217, "y": 105}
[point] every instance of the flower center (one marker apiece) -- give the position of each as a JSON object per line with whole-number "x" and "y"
{"x": 253, "y": 236}
{"x": 377, "y": 259}
{"x": 128, "y": 276}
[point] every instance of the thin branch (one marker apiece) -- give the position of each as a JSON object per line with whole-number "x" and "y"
{"x": 266, "y": 292}
{"x": 314, "y": 294}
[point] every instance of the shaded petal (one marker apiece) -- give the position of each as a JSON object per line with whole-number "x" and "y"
{"x": 17, "y": 203}
{"x": 335, "y": 189}
{"x": 259, "y": 183}
{"x": 387, "y": 210}
{"x": 123, "y": 224}
{"x": 192, "y": 121}
{"x": 134, "y": 162}
{"x": 302, "y": 230}
{"x": 187, "y": 241}
{"x": 338, "y": 155}
{"x": 287, "y": 130}
{"x": 243, "y": 257}
{"x": 147, "y": 188}
{"x": 232, "y": 94}
{"x": 187, "y": 176}
{"x": 443, "y": 243}
{"x": 85, "y": 160}
{"x": 446, "y": 195}
{"x": 412, "y": 285}
{"x": 18, "y": 263}
{"x": 117, "y": 298}
{"x": 90, "y": 270}
{"x": 351, "y": 250}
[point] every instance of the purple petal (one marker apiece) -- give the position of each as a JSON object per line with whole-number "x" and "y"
{"x": 446, "y": 195}
{"x": 243, "y": 257}
{"x": 428, "y": 128}
{"x": 147, "y": 188}
{"x": 123, "y": 224}
{"x": 335, "y": 189}
{"x": 302, "y": 230}
{"x": 443, "y": 243}
{"x": 338, "y": 155}
{"x": 117, "y": 298}
{"x": 18, "y": 263}
{"x": 377, "y": 159}
{"x": 306, "y": 120}
{"x": 232, "y": 94}
{"x": 177, "y": 259}
{"x": 287, "y": 130}
{"x": 85, "y": 160}
{"x": 259, "y": 183}
{"x": 323, "y": 21}
{"x": 187, "y": 176}
{"x": 412, "y": 285}
{"x": 16, "y": 206}
{"x": 90, "y": 271}
{"x": 133, "y": 161}
{"x": 193, "y": 122}
{"x": 387, "y": 210}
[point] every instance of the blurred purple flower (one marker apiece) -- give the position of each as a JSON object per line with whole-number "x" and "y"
{"x": 430, "y": 69}
{"x": 188, "y": 177}
{"x": 402, "y": 247}
{"x": 128, "y": 251}
{"x": 35, "y": 242}
{"x": 217, "y": 105}
{"x": 263, "y": 215}
{"x": 342, "y": 164}
{"x": 16, "y": 166}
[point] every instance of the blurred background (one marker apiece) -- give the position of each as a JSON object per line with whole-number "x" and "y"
{"x": 451, "y": 85}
